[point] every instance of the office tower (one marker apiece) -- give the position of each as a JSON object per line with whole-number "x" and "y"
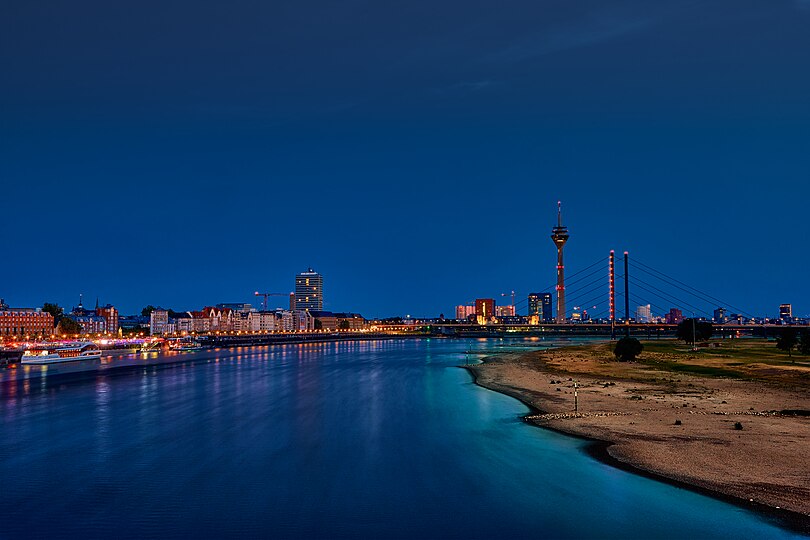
{"x": 309, "y": 291}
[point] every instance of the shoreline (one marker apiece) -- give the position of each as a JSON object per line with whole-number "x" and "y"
{"x": 599, "y": 446}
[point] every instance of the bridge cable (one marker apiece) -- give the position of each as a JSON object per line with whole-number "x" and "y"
{"x": 706, "y": 295}
{"x": 668, "y": 297}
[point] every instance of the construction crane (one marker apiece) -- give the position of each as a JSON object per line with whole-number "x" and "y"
{"x": 266, "y": 294}
{"x": 512, "y": 294}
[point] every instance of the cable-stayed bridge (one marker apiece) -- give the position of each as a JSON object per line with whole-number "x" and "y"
{"x": 607, "y": 298}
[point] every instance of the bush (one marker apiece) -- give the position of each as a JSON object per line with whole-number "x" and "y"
{"x": 628, "y": 348}
{"x": 738, "y": 425}
{"x": 677, "y": 422}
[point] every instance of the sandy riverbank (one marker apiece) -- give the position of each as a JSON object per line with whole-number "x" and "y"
{"x": 634, "y": 408}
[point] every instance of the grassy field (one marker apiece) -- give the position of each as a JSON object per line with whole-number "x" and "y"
{"x": 739, "y": 358}
{"x": 755, "y": 359}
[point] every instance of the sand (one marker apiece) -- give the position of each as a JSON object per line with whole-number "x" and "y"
{"x": 634, "y": 408}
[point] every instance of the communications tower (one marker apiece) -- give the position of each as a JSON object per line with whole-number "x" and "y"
{"x": 559, "y": 235}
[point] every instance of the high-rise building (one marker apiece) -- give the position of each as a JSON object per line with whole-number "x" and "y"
{"x": 559, "y": 235}
{"x": 540, "y": 304}
{"x": 463, "y": 312}
{"x": 484, "y": 309}
{"x": 535, "y": 304}
{"x": 644, "y": 314}
{"x": 786, "y": 312}
{"x": 309, "y": 291}
{"x": 719, "y": 316}
{"x": 547, "y": 314}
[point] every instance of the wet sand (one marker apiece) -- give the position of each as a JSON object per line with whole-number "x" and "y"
{"x": 633, "y": 408}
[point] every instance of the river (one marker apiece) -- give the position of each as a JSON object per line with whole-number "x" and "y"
{"x": 340, "y": 440}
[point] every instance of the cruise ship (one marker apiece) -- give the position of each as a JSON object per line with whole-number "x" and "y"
{"x": 56, "y": 354}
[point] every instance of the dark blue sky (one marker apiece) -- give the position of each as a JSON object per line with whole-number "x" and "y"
{"x": 186, "y": 153}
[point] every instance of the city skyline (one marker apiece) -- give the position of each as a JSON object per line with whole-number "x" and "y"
{"x": 442, "y": 173}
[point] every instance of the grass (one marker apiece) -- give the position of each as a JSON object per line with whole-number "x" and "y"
{"x": 756, "y": 359}
{"x": 741, "y": 358}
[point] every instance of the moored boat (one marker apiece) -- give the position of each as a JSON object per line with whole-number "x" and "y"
{"x": 10, "y": 356}
{"x": 55, "y": 354}
{"x": 185, "y": 344}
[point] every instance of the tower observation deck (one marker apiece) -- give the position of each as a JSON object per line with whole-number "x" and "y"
{"x": 559, "y": 235}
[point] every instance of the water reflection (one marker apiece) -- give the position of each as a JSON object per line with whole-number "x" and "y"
{"x": 366, "y": 439}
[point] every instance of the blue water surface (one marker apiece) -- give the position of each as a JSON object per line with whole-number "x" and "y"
{"x": 382, "y": 439}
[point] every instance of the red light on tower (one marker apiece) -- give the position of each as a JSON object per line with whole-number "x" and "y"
{"x": 612, "y": 281}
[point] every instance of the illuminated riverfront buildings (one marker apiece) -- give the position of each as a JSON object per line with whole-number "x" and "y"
{"x": 464, "y": 312}
{"x": 786, "y": 312}
{"x": 20, "y": 322}
{"x": 540, "y": 305}
{"x": 88, "y": 319}
{"x": 110, "y": 315}
{"x": 158, "y": 322}
{"x": 505, "y": 311}
{"x": 309, "y": 291}
{"x": 484, "y": 309}
{"x": 644, "y": 314}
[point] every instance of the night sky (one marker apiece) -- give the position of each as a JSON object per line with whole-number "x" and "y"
{"x": 183, "y": 153}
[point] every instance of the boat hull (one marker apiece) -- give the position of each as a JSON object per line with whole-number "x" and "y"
{"x": 56, "y": 359}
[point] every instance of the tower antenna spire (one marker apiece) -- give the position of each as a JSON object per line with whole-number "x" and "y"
{"x": 559, "y": 213}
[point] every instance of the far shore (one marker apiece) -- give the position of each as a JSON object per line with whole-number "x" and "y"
{"x": 676, "y": 415}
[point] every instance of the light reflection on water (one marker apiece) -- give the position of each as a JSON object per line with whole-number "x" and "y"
{"x": 357, "y": 439}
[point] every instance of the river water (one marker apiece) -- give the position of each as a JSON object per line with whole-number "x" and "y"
{"x": 338, "y": 440}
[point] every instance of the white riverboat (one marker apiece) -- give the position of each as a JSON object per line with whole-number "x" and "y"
{"x": 56, "y": 354}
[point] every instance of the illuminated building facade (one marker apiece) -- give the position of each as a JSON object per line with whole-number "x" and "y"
{"x": 505, "y": 311}
{"x": 644, "y": 314}
{"x": 110, "y": 315}
{"x": 540, "y": 305}
{"x": 25, "y": 322}
{"x": 786, "y": 312}
{"x": 484, "y": 309}
{"x": 158, "y": 322}
{"x": 464, "y": 312}
{"x": 309, "y": 291}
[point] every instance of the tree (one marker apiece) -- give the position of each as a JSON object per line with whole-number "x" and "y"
{"x": 804, "y": 341}
{"x": 691, "y": 329}
{"x": 68, "y": 326}
{"x": 54, "y": 310}
{"x": 343, "y": 325}
{"x": 147, "y": 311}
{"x": 627, "y": 349}
{"x": 787, "y": 339}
